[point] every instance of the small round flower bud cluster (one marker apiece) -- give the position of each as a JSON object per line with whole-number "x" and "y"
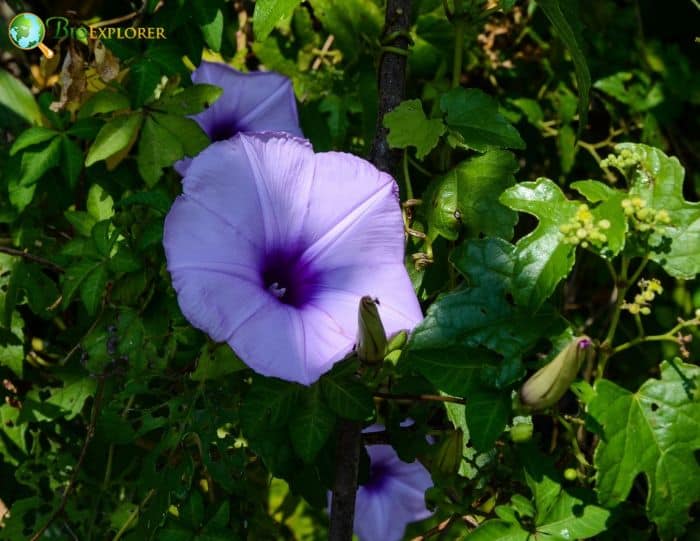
{"x": 648, "y": 291}
{"x": 643, "y": 217}
{"x": 625, "y": 159}
{"x": 584, "y": 230}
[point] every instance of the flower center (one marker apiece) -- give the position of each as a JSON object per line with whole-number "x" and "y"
{"x": 378, "y": 474}
{"x": 220, "y": 131}
{"x": 288, "y": 279}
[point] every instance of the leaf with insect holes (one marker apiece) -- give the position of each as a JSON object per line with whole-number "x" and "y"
{"x": 655, "y": 432}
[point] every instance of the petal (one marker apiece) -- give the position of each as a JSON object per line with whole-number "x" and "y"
{"x": 193, "y": 236}
{"x": 272, "y": 342}
{"x": 340, "y": 290}
{"x": 326, "y": 342}
{"x": 373, "y": 517}
{"x": 214, "y": 269}
{"x": 282, "y": 168}
{"x": 181, "y": 166}
{"x": 222, "y": 180}
{"x": 257, "y": 101}
{"x": 215, "y": 301}
{"x": 353, "y": 214}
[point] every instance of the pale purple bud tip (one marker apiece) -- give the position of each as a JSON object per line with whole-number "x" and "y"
{"x": 584, "y": 343}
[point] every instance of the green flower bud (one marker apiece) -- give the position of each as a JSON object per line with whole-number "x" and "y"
{"x": 371, "y": 337}
{"x": 549, "y": 383}
{"x": 570, "y": 474}
{"x": 521, "y": 432}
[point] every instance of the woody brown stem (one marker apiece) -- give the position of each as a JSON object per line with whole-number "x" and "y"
{"x": 392, "y": 83}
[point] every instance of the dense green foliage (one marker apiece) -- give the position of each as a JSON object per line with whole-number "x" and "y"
{"x": 550, "y": 157}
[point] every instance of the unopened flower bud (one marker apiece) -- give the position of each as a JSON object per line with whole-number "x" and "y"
{"x": 549, "y": 383}
{"x": 371, "y": 337}
{"x": 570, "y": 474}
{"x": 521, "y": 432}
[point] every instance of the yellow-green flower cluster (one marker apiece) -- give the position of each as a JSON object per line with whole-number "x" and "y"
{"x": 648, "y": 291}
{"x": 583, "y": 229}
{"x": 621, "y": 161}
{"x": 643, "y": 217}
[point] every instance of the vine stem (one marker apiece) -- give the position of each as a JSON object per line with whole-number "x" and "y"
{"x": 31, "y": 257}
{"x": 668, "y": 336}
{"x": 392, "y": 85}
{"x": 420, "y": 397}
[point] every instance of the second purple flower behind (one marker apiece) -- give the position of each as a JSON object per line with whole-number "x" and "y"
{"x": 251, "y": 102}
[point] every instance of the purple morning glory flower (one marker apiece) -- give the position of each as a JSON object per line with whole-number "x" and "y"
{"x": 392, "y": 497}
{"x": 271, "y": 247}
{"x": 251, "y": 102}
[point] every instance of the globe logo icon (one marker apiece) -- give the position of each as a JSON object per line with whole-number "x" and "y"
{"x": 27, "y": 31}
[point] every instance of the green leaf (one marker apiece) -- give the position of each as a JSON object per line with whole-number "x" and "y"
{"x": 486, "y": 413}
{"x": 310, "y": 425}
{"x": 542, "y": 257}
{"x": 86, "y": 128}
{"x": 186, "y": 131}
{"x": 267, "y": 405}
{"x": 12, "y": 355}
{"x": 18, "y": 98}
{"x": 499, "y": 530}
{"x": 216, "y": 361}
{"x": 270, "y": 12}
{"x": 560, "y": 13}
{"x": 213, "y": 31}
{"x": 480, "y": 315}
{"x": 74, "y": 276}
{"x": 560, "y": 513}
{"x": 104, "y": 101}
{"x": 347, "y": 397}
{"x": 40, "y": 290}
{"x": 34, "y": 163}
{"x": 459, "y": 345}
{"x": 32, "y": 136}
{"x": 71, "y": 398}
{"x": 155, "y": 199}
{"x": 93, "y": 288}
{"x": 71, "y": 160}
{"x": 124, "y": 260}
{"x": 158, "y": 148}
{"x": 408, "y": 126}
{"x": 101, "y": 234}
{"x": 467, "y": 198}
{"x": 114, "y": 136}
{"x": 659, "y": 180}
{"x": 82, "y": 221}
{"x": 609, "y": 207}
{"x": 475, "y": 116}
{"x": 100, "y": 204}
{"x": 14, "y": 434}
{"x": 454, "y": 370}
{"x": 632, "y": 88}
{"x": 192, "y": 100}
{"x": 144, "y": 77}
{"x": 655, "y": 432}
